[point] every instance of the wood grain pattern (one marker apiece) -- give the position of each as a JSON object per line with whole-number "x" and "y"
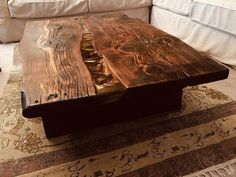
{"x": 103, "y": 79}
{"x": 93, "y": 60}
{"x": 53, "y": 68}
{"x": 140, "y": 54}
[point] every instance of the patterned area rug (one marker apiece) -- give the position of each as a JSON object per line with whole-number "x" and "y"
{"x": 197, "y": 141}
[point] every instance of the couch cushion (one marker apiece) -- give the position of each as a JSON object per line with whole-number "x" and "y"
{"x": 12, "y": 30}
{"x": 47, "y": 8}
{"x": 181, "y": 7}
{"x": 112, "y": 5}
{"x": 220, "y": 15}
{"x": 142, "y": 13}
{"x": 216, "y": 43}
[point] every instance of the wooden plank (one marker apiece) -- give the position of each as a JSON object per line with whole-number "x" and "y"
{"x": 53, "y": 67}
{"x": 104, "y": 80}
{"x": 139, "y": 54}
{"x": 60, "y": 65}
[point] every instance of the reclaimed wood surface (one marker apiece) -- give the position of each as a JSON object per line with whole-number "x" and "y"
{"x": 140, "y": 54}
{"x": 97, "y": 59}
{"x": 60, "y": 64}
{"x": 53, "y": 67}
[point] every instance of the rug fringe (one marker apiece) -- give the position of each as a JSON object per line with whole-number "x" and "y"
{"x": 221, "y": 170}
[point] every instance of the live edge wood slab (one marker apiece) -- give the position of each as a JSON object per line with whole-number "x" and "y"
{"x": 91, "y": 70}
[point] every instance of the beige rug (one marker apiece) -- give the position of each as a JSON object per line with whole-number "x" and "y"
{"x": 197, "y": 141}
{"x": 6, "y": 58}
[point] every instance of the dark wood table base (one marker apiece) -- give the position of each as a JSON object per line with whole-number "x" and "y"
{"x": 133, "y": 106}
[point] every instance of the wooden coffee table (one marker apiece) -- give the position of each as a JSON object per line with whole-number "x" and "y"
{"x": 96, "y": 69}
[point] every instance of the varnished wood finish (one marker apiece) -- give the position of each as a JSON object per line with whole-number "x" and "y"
{"x": 60, "y": 64}
{"x": 53, "y": 68}
{"x": 94, "y": 61}
{"x": 140, "y": 54}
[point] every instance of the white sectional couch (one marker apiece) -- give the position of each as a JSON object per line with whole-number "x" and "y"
{"x": 14, "y": 14}
{"x": 206, "y": 25}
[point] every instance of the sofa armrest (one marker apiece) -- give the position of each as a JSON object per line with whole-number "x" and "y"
{"x": 115, "y": 5}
